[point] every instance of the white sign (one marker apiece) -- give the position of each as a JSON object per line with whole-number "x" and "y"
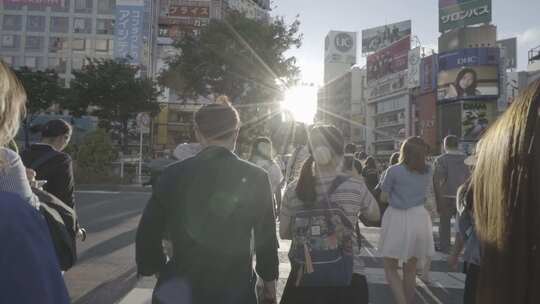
{"x": 340, "y": 47}
{"x": 413, "y": 74}
{"x": 143, "y": 122}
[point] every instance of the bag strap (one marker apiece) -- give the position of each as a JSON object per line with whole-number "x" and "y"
{"x": 42, "y": 160}
{"x": 338, "y": 181}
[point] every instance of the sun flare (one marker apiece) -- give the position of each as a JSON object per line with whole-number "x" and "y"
{"x": 301, "y": 102}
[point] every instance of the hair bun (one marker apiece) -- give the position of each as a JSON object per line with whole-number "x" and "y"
{"x": 223, "y": 100}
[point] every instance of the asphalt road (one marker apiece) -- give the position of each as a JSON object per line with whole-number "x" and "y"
{"x": 105, "y": 272}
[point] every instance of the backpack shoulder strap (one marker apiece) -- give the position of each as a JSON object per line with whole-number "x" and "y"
{"x": 338, "y": 181}
{"x": 42, "y": 160}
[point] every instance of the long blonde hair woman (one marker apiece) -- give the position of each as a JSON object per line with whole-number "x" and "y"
{"x": 12, "y": 107}
{"x": 507, "y": 204}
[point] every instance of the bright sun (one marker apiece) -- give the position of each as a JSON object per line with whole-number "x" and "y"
{"x": 302, "y": 103}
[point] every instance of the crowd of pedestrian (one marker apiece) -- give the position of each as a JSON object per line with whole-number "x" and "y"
{"x": 219, "y": 213}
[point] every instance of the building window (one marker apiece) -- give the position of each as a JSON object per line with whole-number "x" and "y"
{"x": 57, "y": 64}
{"x": 64, "y": 7}
{"x": 83, "y": 6}
{"x": 12, "y": 23}
{"x": 35, "y": 23}
{"x": 82, "y": 25}
{"x": 103, "y": 45}
{"x": 59, "y": 24}
{"x": 106, "y": 6}
{"x": 9, "y": 60}
{"x": 57, "y": 44}
{"x": 105, "y": 26}
{"x": 32, "y": 62}
{"x": 10, "y": 41}
{"x": 34, "y": 43}
{"x": 78, "y": 44}
{"x": 36, "y": 7}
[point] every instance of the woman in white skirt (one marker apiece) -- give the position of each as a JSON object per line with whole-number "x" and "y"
{"x": 406, "y": 234}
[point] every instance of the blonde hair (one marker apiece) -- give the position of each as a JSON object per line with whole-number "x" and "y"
{"x": 507, "y": 204}
{"x": 12, "y": 105}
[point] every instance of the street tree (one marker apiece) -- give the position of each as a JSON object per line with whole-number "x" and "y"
{"x": 113, "y": 91}
{"x": 43, "y": 91}
{"x": 245, "y": 59}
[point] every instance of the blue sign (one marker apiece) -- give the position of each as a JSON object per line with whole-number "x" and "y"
{"x": 468, "y": 57}
{"x": 128, "y": 40}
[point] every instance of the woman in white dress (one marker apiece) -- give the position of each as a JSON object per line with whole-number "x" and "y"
{"x": 406, "y": 234}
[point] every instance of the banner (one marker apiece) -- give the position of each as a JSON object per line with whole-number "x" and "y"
{"x": 340, "y": 47}
{"x": 61, "y": 3}
{"x": 428, "y": 74}
{"x": 468, "y": 57}
{"x": 473, "y": 82}
{"x": 377, "y": 38}
{"x": 476, "y": 118}
{"x": 189, "y": 11}
{"x": 509, "y": 47}
{"x": 128, "y": 30}
{"x": 464, "y": 14}
{"x": 413, "y": 71}
{"x": 388, "y": 61}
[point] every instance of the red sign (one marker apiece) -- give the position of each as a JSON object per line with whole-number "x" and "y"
{"x": 189, "y": 11}
{"x": 38, "y": 2}
{"x": 389, "y": 60}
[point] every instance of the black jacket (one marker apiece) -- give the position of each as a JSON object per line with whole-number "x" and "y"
{"x": 209, "y": 205}
{"x": 57, "y": 171}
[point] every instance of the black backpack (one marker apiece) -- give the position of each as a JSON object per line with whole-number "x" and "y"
{"x": 62, "y": 222}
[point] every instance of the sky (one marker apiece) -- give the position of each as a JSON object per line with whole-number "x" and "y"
{"x": 514, "y": 18}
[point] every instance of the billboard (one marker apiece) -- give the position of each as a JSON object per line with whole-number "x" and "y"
{"x": 377, "y": 38}
{"x": 464, "y": 13}
{"x": 476, "y": 117}
{"x": 509, "y": 50}
{"x": 472, "y": 82}
{"x": 61, "y": 3}
{"x": 413, "y": 70}
{"x": 390, "y": 85}
{"x": 468, "y": 37}
{"x": 189, "y": 11}
{"x": 428, "y": 74}
{"x": 340, "y": 47}
{"x": 389, "y": 60}
{"x": 128, "y": 30}
{"x": 468, "y": 57}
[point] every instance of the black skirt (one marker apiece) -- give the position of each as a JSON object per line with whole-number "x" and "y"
{"x": 356, "y": 293}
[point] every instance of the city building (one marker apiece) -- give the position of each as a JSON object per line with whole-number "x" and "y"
{"x": 61, "y": 34}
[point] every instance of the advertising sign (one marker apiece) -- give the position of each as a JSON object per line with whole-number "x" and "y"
{"x": 428, "y": 74}
{"x": 464, "y": 14}
{"x": 509, "y": 47}
{"x": 189, "y": 11}
{"x": 377, "y": 38}
{"x": 388, "y": 86}
{"x": 413, "y": 71}
{"x": 340, "y": 47}
{"x": 473, "y": 82}
{"x": 61, "y": 3}
{"x": 128, "y": 30}
{"x": 468, "y": 37}
{"x": 476, "y": 117}
{"x": 388, "y": 61}
{"x": 468, "y": 57}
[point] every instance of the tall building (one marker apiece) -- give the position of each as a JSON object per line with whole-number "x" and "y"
{"x": 61, "y": 34}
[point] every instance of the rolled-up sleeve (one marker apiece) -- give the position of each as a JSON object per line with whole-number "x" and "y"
{"x": 266, "y": 244}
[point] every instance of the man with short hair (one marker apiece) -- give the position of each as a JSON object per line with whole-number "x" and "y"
{"x": 450, "y": 172}
{"x": 208, "y": 205}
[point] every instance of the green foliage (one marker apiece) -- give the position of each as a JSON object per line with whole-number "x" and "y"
{"x": 43, "y": 89}
{"x": 94, "y": 156}
{"x": 112, "y": 91}
{"x": 238, "y": 57}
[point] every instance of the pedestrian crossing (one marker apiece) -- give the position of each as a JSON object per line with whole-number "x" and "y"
{"x": 445, "y": 287}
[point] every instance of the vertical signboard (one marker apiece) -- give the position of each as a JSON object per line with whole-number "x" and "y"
{"x": 413, "y": 72}
{"x": 128, "y": 30}
{"x": 428, "y": 74}
{"x": 463, "y": 13}
{"x": 509, "y": 47}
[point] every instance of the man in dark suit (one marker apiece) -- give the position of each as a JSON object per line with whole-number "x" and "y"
{"x": 208, "y": 205}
